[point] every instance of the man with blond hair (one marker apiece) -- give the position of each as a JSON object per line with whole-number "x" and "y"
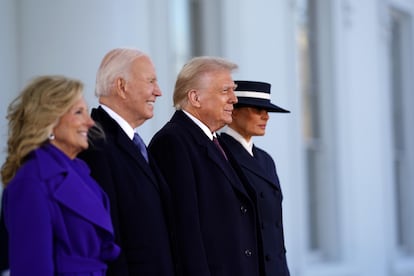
{"x": 215, "y": 217}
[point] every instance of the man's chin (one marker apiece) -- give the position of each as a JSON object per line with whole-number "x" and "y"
{"x": 228, "y": 121}
{"x": 149, "y": 115}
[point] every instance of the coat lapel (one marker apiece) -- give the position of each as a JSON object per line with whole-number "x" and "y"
{"x": 77, "y": 196}
{"x": 72, "y": 191}
{"x": 252, "y": 165}
{"x": 216, "y": 157}
{"x": 212, "y": 152}
{"x": 225, "y": 167}
{"x": 123, "y": 142}
{"x": 130, "y": 149}
{"x": 245, "y": 160}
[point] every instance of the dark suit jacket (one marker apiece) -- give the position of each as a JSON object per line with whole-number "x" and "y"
{"x": 214, "y": 215}
{"x": 57, "y": 218}
{"x": 259, "y": 172}
{"x": 4, "y": 245}
{"x": 139, "y": 199}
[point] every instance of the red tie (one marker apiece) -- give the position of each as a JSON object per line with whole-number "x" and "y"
{"x": 216, "y": 142}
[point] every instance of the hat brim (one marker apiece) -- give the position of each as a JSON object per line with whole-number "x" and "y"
{"x": 269, "y": 107}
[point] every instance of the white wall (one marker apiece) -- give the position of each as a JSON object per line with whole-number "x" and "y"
{"x": 260, "y": 37}
{"x": 365, "y": 139}
{"x": 71, "y": 38}
{"x": 8, "y": 66}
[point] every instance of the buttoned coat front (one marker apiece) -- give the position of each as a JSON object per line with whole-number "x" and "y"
{"x": 139, "y": 201}
{"x": 259, "y": 172}
{"x": 214, "y": 214}
{"x": 57, "y": 218}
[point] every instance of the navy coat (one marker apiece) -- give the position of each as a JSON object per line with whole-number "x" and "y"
{"x": 215, "y": 217}
{"x": 259, "y": 172}
{"x": 57, "y": 218}
{"x": 139, "y": 199}
{"x": 4, "y": 245}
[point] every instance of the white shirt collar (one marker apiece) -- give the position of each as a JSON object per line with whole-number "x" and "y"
{"x": 121, "y": 121}
{"x": 203, "y": 127}
{"x": 248, "y": 145}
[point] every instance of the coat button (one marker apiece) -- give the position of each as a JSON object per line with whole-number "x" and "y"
{"x": 247, "y": 252}
{"x": 262, "y": 195}
{"x": 243, "y": 209}
{"x": 268, "y": 258}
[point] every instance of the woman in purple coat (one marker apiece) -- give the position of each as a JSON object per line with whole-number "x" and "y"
{"x": 56, "y": 216}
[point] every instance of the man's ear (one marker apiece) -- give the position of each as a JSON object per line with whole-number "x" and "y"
{"x": 121, "y": 88}
{"x": 193, "y": 98}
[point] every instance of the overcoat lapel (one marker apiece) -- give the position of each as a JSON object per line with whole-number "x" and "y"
{"x": 123, "y": 141}
{"x": 224, "y": 165}
{"x": 72, "y": 192}
{"x": 254, "y": 167}
{"x": 208, "y": 146}
{"x": 78, "y": 197}
{"x": 130, "y": 149}
{"x": 247, "y": 161}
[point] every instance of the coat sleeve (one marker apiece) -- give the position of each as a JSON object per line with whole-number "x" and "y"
{"x": 173, "y": 156}
{"x": 29, "y": 224}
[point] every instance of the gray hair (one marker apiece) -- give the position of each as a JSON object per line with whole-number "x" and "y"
{"x": 115, "y": 64}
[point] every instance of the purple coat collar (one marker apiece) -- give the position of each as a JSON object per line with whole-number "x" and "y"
{"x": 71, "y": 185}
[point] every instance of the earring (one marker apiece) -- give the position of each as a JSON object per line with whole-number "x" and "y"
{"x": 51, "y": 136}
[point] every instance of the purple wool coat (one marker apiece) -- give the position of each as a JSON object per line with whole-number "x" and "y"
{"x": 57, "y": 218}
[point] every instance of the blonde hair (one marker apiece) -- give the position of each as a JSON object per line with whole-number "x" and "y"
{"x": 32, "y": 116}
{"x": 192, "y": 73}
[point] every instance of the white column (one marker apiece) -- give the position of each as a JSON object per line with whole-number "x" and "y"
{"x": 364, "y": 139}
{"x": 260, "y": 37}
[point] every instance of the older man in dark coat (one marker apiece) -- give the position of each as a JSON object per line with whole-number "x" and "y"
{"x": 215, "y": 218}
{"x": 127, "y": 89}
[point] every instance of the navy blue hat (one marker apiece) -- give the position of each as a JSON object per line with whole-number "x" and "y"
{"x": 255, "y": 94}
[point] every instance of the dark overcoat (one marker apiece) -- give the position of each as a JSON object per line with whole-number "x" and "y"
{"x": 139, "y": 199}
{"x": 259, "y": 172}
{"x": 215, "y": 217}
{"x": 4, "y": 245}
